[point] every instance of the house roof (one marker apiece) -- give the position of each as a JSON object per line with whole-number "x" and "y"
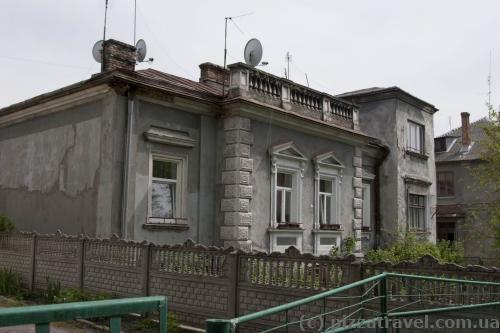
{"x": 146, "y": 78}
{"x": 389, "y": 92}
{"x": 456, "y": 152}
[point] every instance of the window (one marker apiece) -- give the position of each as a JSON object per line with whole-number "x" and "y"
{"x": 416, "y": 212}
{"x": 415, "y": 138}
{"x": 439, "y": 145}
{"x": 328, "y": 175}
{"x": 325, "y": 241}
{"x": 325, "y": 201}
{"x": 367, "y": 220}
{"x": 284, "y": 189}
{"x": 445, "y": 184}
{"x": 166, "y": 188}
{"x": 287, "y": 170}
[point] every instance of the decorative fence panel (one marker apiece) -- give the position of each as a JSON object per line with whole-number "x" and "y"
{"x": 58, "y": 258}
{"x": 209, "y": 282}
{"x": 16, "y": 253}
{"x": 197, "y": 279}
{"x": 115, "y": 266}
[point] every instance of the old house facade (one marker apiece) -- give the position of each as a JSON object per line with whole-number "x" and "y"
{"x": 241, "y": 158}
{"x": 462, "y": 202}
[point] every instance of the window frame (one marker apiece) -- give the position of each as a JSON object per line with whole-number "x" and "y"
{"x": 419, "y": 209}
{"x": 421, "y": 131}
{"x": 448, "y": 192}
{"x": 286, "y": 158}
{"x": 179, "y": 208}
{"x": 326, "y": 170}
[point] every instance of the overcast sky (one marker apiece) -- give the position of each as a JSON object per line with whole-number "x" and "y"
{"x": 437, "y": 50}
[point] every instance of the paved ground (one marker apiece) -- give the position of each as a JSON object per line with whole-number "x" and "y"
{"x": 54, "y": 328}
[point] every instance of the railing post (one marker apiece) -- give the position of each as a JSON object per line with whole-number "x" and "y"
{"x": 218, "y": 326}
{"x": 163, "y": 316}
{"x": 383, "y": 304}
{"x": 81, "y": 258}
{"x": 115, "y": 325}
{"x": 42, "y": 328}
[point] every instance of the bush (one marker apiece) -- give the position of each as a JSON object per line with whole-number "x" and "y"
{"x": 53, "y": 292}
{"x": 80, "y": 295}
{"x": 10, "y": 283}
{"x": 6, "y": 224}
{"x": 410, "y": 248}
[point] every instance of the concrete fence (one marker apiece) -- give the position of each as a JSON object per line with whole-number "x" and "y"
{"x": 200, "y": 282}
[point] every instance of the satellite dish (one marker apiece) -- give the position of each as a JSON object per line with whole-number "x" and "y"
{"x": 141, "y": 50}
{"x": 253, "y": 52}
{"x": 97, "y": 51}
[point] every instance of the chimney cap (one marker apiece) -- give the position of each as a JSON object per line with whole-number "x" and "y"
{"x": 467, "y": 114}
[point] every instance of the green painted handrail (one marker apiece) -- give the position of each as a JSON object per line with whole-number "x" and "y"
{"x": 229, "y": 325}
{"x": 43, "y": 315}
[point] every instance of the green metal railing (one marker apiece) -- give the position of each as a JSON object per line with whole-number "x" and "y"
{"x": 376, "y": 299}
{"x": 43, "y": 315}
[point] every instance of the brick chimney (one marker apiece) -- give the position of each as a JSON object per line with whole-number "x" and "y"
{"x": 214, "y": 75}
{"x": 118, "y": 55}
{"x": 465, "y": 129}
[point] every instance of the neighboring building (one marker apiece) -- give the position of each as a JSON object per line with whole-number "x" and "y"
{"x": 406, "y": 178}
{"x": 460, "y": 198}
{"x": 241, "y": 158}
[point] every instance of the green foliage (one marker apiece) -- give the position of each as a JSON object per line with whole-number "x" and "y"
{"x": 349, "y": 244}
{"x": 334, "y": 251}
{"x": 487, "y": 179}
{"x": 6, "y": 225}
{"x": 409, "y": 248}
{"x": 80, "y": 295}
{"x": 10, "y": 283}
{"x": 53, "y": 291}
{"x": 149, "y": 325}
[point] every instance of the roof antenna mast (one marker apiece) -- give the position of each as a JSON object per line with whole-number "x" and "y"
{"x": 135, "y": 20}
{"x": 104, "y": 34}
{"x": 231, "y": 18}
{"x": 288, "y": 58}
{"x": 489, "y": 83}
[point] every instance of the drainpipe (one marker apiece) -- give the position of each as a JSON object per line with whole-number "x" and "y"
{"x": 126, "y": 161}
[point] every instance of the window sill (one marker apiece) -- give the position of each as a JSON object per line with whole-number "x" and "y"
{"x": 422, "y": 156}
{"x": 366, "y": 229}
{"x": 173, "y": 224}
{"x": 445, "y": 197}
{"x": 288, "y": 226}
{"x": 420, "y": 231}
{"x": 330, "y": 226}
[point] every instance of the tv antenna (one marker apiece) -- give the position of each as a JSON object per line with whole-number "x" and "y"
{"x": 230, "y": 18}
{"x": 288, "y": 59}
{"x": 97, "y": 51}
{"x": 489, "y": 83}
{"x": 103, "y": 36}
{"x": 253, "y": 52}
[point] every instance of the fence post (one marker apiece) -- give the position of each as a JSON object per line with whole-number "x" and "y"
{"x": 232, "y": 276}
{"x": 31, "y": 282}
{"x": 146, "y": 265}
{"x": 81, "y": 259}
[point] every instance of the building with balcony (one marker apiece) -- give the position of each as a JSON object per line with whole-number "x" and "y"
{"x": 241, "y": 158}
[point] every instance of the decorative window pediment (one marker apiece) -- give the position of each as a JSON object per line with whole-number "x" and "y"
{"x": 287, "y": 150}
{"x": 328, "y": 160}
{"x": 170, "y": 137}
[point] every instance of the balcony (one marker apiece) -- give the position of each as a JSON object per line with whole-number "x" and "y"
{"x": 266, "y": 88}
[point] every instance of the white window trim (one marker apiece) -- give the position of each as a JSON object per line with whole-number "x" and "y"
{"x": 181, "y": 188}
{"x": 333, "y": 172}
{"x": 294, "y": 165}
{"x": 325, "y": 249}
{"x": 297, "y": 234}
{"x": 421, "y": 134}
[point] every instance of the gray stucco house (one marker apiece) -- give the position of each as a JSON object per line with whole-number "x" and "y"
{"x": 462, "y": 202}
{"x": 241, "y": 158}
